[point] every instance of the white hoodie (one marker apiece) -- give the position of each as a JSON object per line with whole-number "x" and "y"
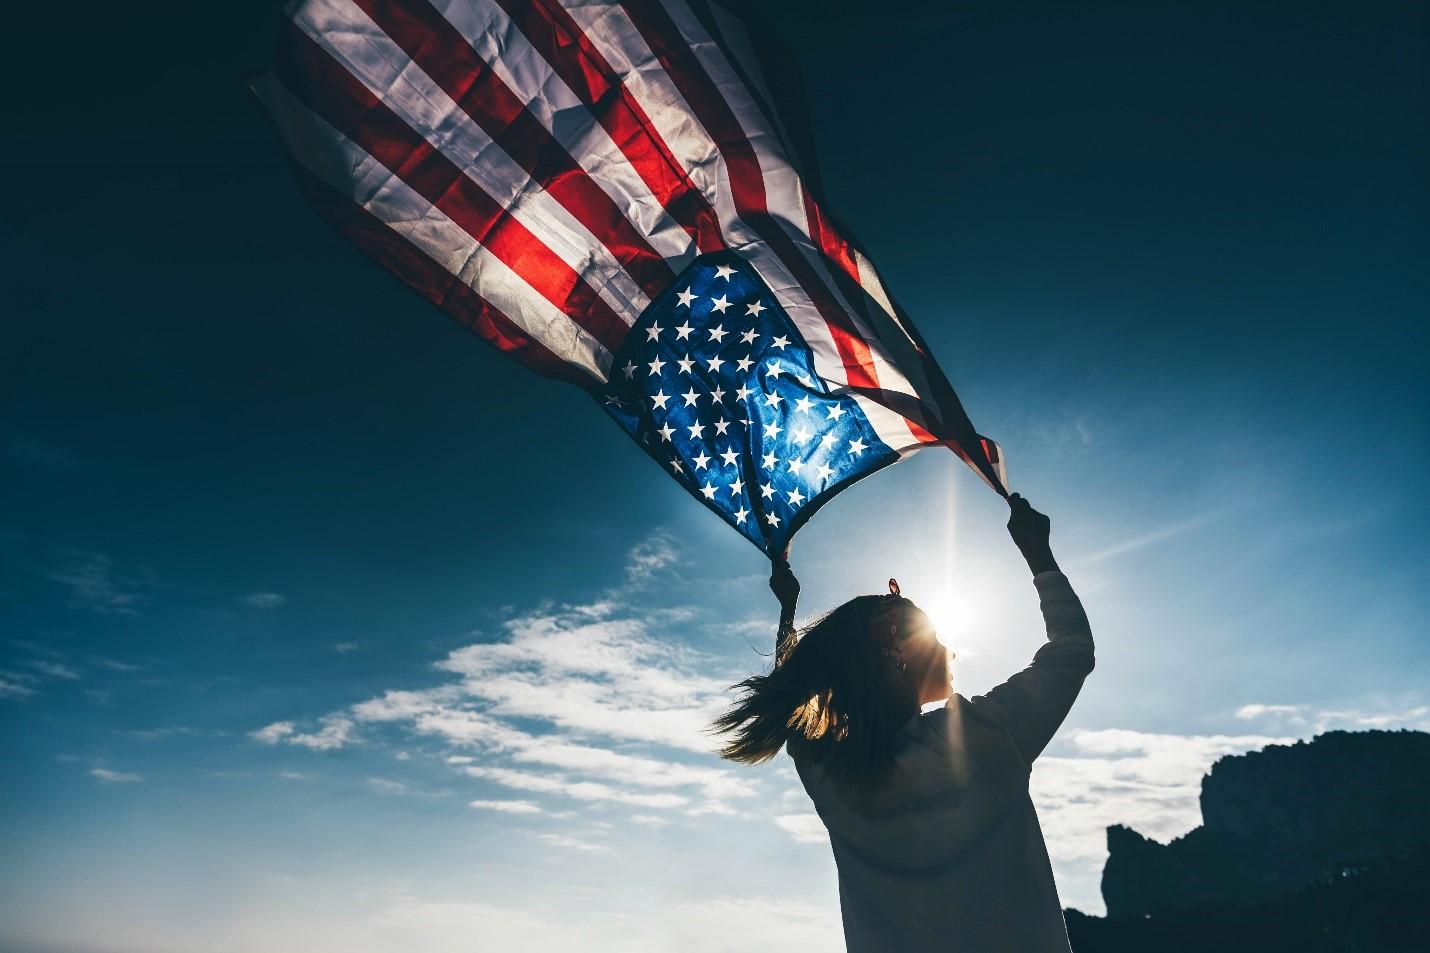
{"x": 948, "y": 855}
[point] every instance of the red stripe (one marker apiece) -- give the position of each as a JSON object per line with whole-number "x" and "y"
{"x": 327, "y": 88}
{"x": 553, "y": 34}
{"x": 747, "y": 182}
{"x": 446, "y": 56}
{"x": 378, "y": 241}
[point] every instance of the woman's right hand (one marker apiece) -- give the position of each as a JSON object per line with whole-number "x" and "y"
{"x": 785, "y": 587}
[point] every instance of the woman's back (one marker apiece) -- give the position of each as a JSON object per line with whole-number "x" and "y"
{"x": 947, "y": 854}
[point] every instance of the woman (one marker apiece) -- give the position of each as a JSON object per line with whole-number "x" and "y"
{"x": 936, "y": 840}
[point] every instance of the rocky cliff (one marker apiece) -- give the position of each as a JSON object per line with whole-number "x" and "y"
{"x": 1279, "y": 821}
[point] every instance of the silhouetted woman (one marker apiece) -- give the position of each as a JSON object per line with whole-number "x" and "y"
{"x": 936, "y": 840}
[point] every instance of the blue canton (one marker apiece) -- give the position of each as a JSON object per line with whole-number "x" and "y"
{"x": 718, "y": 386}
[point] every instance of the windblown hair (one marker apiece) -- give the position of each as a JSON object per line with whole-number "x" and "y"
{"x": 831, "y": 695}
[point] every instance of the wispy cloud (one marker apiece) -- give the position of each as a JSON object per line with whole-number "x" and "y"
{"x": 579, "y": 703}
{"x": 15, "y": 685}
{"x": 54, "y": 669}
{"x": 264, "y": 600}
{"x": 115, "y": 777}
{"x": 343, "y": 648}
{"x": 506, "y": 807}
{"x": 94, "y": 584}
{"x": 1159, "y": 535}
{"x": 1312, "y": 719}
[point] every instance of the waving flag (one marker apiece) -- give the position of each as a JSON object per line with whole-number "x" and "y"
{"x": 603, "y": 191}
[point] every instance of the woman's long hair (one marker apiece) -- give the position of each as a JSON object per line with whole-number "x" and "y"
{"x": 832, "y": 695}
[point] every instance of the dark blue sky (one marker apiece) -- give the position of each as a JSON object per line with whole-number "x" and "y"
{"x": 1171, "y": 255}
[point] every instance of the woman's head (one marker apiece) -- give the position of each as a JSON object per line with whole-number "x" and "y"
{"x": 843, "y": 689}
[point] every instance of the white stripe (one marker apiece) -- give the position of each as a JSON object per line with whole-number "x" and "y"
{"x": 505, "y": 48}
{"x": 347, "y": 167}
{"x": 345, "y": 32}
{"x": 783, "y": 192}
{"x": 616, "y": 38}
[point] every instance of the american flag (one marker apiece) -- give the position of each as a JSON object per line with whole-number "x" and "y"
{"x": 604, "y": 191}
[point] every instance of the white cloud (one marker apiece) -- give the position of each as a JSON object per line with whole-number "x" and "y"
{"x": 93, "y": 584}
{"x": 567, "y": 842}
{"x": 806, "y": 828}
{"x": 335, "y": 733}
{"x": 579, "y": 790}
{"x": 1303, "y": 719}
{"x": 651, "y": 820}
{"x": 54, "y": 669}
{"x": 507, "y": 807}
{"x": 115, "y": 777}
{"x": 264, "y": 600}
{"x": 274, "y": 733}
{"x": 13, "y": 686}
{"x": 387, "y": 786}
{"x": 343, "y": 648}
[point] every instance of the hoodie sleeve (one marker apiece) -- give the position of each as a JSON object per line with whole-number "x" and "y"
{"x": 1033, "y": 703}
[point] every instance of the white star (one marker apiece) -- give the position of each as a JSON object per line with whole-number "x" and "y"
{"x": 717, "y": 334}
{"x": 743, "y": 393}
{"x": 655, "y": 366}
{"x": 721, "y": 426}
{"x": 795, "y": 497}
{"x": 773, "y": 400}
{"x": 743, "y": 363}
{"x": 737, "y": 486}
{"x": 767, "y": 490}
{"x": 659, "y": 399}
{"x": 709, "y": 491}
{"x": 653, "y": 332}
{"x": 719, "y": 304}
{"x": 718, "y": 394}
{"x": 775, "y": 370}
{"x": 795, "y": 466}
{"x": 749, "y": 336}
{"x": 824, "y": 472}
{"x": 803, "y": 378}
{"x": 686, "y": 363}
{"x": 666, "y": 432}
{"x": 697, "y": 430}
{"x": 683, "y": 332}
{"x": 702, "y": 461}
{"x": 834, "y": 411}
{"x": 768, "y": 460}
{"x": 828, "y": 440}
{"x": 675, "y": 465}
{"x": 729, "y": 456}
{"x": 779, "y": 342}
{"x": 801, "y": 436}
{"x": 690, "y": 396}
{"x": 686, "y": 297}
{"x": 754, "y": 308}
{"x": 714, "y": 364}
{"x": 724, "y": 271}
{"x": 803, "y": 404}
{"x": 772, "y": 519}
{"x": 612, "y": 400}
{"x": 856, "y": 447}
{"x": 772, "y": 430}
{"x": 740, "y": 515}
{"x": 630, "y": 369}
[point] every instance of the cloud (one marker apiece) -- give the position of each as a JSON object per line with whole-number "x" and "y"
{"x": 649, "y": 557}
{"x": 1155, "y": 536}
{"x": 1413, "y": 714}
{"x": 12, "y": 685}
{"x": 93, "y": 584}
{"x": 274, "y": 733}
{"x": 264, "y": 600}
{"x": 506, "y": 807}
{"x": 806, "y": 828}
{"x": 567, "y": 842}
{"x": 115, "y": 777}
{"x": 577, "y": 789}
{"x": 343, "y": 648}
{"x": 54, "y": 669}
{"x": 387, "y": 786}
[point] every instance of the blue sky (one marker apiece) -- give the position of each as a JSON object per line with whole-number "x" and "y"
{"x": 324, "y": 627}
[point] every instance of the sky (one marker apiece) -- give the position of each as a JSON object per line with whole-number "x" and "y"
{"x": 325, "y": 627}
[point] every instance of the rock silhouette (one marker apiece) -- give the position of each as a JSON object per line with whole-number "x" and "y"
{"x": 1320, "y": 845}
